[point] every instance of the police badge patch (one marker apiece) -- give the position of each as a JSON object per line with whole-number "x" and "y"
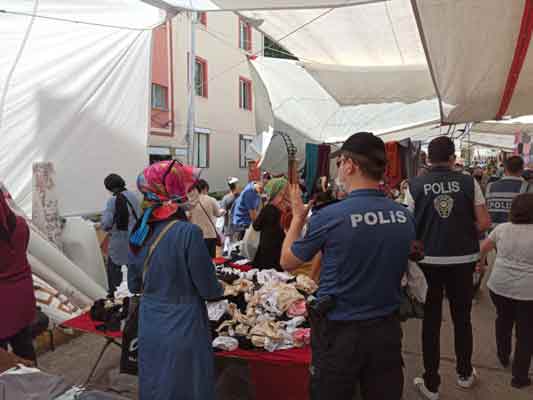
{"x": 444, "y": 205}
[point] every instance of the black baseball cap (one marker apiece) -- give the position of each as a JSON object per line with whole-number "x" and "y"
{"x": 365, "y": 144}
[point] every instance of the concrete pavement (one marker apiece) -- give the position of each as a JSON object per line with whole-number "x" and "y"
{"x": 73, "y": 361}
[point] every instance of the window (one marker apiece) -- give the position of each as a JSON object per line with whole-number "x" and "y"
{"x": 159, "y": 97}
{"x": 200, "y": 75}
{"x": 201, "y": 150}
{"x": 201, "y": 17}
{"x": 245, "y": 35}
{"x": 245, "y": 93}
{"x": 244, "y": 145}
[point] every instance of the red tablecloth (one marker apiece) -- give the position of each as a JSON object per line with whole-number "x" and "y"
{"x": 282, "y": 374}
{"x": 84, "y": 323}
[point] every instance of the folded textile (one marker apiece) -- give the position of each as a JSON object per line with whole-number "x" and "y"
{"x": 225, "y": 343}
{"x": 216, "y": 310}
{"x": 306, "y": 284}
{"x": 298, "y": 308}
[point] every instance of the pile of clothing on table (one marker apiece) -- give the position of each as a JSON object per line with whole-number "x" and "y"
{"x": 260, "y": 310}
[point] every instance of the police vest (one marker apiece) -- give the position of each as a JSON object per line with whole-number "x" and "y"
{"x": 500, "y": 196}
{"x": 445, "y": 216}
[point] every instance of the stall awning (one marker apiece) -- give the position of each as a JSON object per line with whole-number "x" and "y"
{"x": 477, "y": 76}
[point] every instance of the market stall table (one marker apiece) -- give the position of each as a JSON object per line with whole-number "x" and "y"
{"x": 283, "y": 374}
{"x": 84, "y": 323}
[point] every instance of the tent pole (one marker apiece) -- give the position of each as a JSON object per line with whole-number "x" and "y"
{"x": 192, "y": 91}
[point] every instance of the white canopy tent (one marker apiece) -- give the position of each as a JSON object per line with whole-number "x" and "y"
{"x": 476, "y": 76}
{"x": 74, "y": 90}
{"x": 289, "y": 100}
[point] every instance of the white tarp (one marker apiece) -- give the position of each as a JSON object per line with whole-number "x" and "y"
{"x": 470, "y": 67}
{"x": 425, "y": 133}
{"x": 373, "y": 85}
{"x": 75, "y": 94}
{"x": 288, "y": 99}
{"x": 238, "y": 5}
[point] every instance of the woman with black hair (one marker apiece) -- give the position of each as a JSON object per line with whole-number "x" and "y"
{"x": 119, "y": 217}
{"x": 17, "y": 298}
{"x": 511, "y": 287}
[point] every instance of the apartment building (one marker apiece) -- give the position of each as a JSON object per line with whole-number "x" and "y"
{"x": 224, "y": 121}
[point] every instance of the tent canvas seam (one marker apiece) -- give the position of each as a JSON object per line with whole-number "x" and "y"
{"x": 423, "y": 40}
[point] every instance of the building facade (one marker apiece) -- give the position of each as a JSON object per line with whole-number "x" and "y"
{"x": 224, "y": 119}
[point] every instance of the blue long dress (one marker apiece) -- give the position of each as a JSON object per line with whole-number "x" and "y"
{"x": 175, "y": 354}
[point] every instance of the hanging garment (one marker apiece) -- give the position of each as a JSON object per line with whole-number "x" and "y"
{"x": 393, "y": 171}
{"x": 324, "y": 151}
{"x": 311, "y": 168}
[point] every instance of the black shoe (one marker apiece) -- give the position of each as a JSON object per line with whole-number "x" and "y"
{"x": 520, "y": 383}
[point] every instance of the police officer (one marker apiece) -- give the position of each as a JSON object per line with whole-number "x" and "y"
{"x": 500, "y": 194}
{"x": 365, "y": 242}
{"x": 450, "y": 214}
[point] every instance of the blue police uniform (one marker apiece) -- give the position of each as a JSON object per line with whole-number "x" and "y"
{"x": 365, "y": 242}
{"x": 500, "y": 196}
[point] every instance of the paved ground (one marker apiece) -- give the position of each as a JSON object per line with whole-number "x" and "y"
{"x": 73, "y": 360}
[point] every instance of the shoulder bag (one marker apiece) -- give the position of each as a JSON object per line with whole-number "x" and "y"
{"x": 128, "y": 359}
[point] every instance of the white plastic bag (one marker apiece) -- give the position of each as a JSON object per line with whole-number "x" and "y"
{"x": 250, "y": 243}
{"x": 416, "y": 282}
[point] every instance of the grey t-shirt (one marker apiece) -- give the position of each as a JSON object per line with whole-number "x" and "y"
{"x": 226, "y": 203}
{"x": 512, "y": 275}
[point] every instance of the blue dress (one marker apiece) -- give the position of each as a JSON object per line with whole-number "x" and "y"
{"x": 175, "y": 355}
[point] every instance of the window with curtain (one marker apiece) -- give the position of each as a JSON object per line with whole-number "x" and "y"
{"x": 200, "y": 74}
{"x": 244, "y": 145}
{"x": 159, "y": 97}
{"x": 245, "y": 35}
{"x": 201, "y": 150}
{"x": 245, "y": 94}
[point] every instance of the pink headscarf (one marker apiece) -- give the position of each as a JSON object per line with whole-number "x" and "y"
{"x": 165, "y": 184}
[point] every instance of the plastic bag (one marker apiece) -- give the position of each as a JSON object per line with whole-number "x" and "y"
{"x": 250, "y": 243}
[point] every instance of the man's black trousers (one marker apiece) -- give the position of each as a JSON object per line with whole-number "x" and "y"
{"x": 347, "y": 354}
{"x": 457, "y": 282}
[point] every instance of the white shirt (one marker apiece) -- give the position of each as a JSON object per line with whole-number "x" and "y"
{"x": 479, "y": 199}
{"x": 512, "y": 275}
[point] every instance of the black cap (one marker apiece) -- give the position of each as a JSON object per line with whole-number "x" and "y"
{"x": 365, "y": 144}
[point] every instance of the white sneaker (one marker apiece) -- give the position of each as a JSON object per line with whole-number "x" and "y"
{"x": 468, "y": 382}
{"x": 424, "y": 391}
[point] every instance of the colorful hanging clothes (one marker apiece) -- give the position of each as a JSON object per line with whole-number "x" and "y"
{"x": 316, "y": 166}
{"x": 393, "y": 171}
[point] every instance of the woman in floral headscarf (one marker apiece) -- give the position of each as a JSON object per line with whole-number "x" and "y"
{"x": 269, "y": 223}
{"x": 175, "y": 354}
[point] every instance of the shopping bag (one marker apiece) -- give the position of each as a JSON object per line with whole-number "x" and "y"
{"x": 128, "y": 359}
{"x": 414, "y": 292}
{"x": 130, "y": 334}
{"x": 250, "y": 243}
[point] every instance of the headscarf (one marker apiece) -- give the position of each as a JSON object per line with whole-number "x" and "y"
{"x": 165, "y": 186}
{"x": 116, "y": 185}
{"x": 8, "y": 220}
{"x": 275, "y": 186}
